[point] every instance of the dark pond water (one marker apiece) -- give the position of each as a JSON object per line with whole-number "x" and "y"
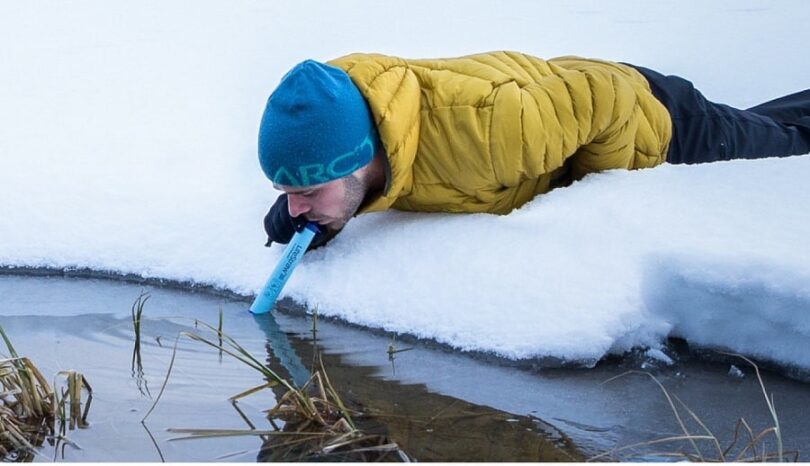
{"x": 439, "y": 405}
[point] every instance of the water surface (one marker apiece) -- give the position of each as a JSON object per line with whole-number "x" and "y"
{"x": 438, "y": 404}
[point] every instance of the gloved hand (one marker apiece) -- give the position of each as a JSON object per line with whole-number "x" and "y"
{"x": 278, "y": 224}
{"x": 280, "y": 227}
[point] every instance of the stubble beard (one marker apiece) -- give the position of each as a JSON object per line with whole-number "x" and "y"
{"x": 355, "y": 188}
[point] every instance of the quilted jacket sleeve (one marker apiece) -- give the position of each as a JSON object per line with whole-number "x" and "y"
{"x": 614, "y": 126}
{"x": 571, "y": 111}
{"x": 614, "y": 117}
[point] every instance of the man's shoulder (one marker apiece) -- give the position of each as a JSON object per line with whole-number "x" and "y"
{"x": 378, "y": 61}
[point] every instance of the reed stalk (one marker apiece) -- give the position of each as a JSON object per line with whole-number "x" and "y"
{"x": 30, "y": 410}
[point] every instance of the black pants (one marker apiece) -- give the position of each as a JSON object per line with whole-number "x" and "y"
{"x": 704, "y": 131}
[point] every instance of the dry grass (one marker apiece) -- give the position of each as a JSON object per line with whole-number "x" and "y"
{"x": 30, "y": 411}
{"x": 323, "y": 429}
{"x": 316, "y": 427}
{"x": 315, "y": 423}
{"x": 745, "y": 445}
{"x": 24, "y": 410}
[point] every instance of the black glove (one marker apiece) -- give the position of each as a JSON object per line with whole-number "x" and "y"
{"x": 278, "y": 224}
{"x": 280, "y": 227}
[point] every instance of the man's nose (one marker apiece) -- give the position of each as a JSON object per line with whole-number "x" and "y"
{"x": 297, "y": 205}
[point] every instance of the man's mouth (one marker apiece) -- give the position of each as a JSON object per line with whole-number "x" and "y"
{"x": 319, "y": 220}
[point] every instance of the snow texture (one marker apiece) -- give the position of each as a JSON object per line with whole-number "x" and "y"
{"x": 128, "y": 143}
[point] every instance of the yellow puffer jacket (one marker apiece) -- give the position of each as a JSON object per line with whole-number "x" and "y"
{"x": 488, "y": 132}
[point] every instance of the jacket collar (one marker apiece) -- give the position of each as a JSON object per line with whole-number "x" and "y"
{"x": 393, "y": 94}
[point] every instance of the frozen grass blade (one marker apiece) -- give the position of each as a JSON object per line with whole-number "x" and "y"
{"x": 686, "y": 434}
{"x": 9, "y": 346}
{"x": 676, "y": 438}
{"x": 314, "y": 329}
{"x": 334, "y": 396}
{"x": 200, "y": 433}
{"x": 703, "y": 426}
{"x": 75, "y": 383}
{"x": 219, "y": 328}
{"x": 751, "y": 444}
{"x": 253, "y": 390}
{"x": 165, "y": 381}
{"x": 769, "y": 402}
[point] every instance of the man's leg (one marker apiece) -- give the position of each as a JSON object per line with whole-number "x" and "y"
{"x": 793, "y": 108}
{"x": 704, "y": 131}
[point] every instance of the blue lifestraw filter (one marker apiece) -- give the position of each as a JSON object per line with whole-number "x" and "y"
{"x": 289, "y": 260}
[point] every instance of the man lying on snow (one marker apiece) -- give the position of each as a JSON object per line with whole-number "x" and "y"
{"x": 488, "y": 132}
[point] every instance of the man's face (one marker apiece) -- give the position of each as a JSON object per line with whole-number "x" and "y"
{"x": 329, "y": 204}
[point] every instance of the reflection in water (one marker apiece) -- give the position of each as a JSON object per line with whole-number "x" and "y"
{"x": 137, "y": 362}
{"x": 392, "y": 353}
{"x": 278, "y": 346}
{"x": 427, "y": 426}
{"x": 316, "y": 423}
{"x": 154, "y": 442}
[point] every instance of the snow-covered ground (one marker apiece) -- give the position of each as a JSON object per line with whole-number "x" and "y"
{"x": 128, "y": 143}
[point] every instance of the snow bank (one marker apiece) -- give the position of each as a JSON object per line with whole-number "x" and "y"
{"x": 127, "y": 143}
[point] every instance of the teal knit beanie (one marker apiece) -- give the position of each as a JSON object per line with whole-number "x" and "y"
{"x": 316, "y": 127}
